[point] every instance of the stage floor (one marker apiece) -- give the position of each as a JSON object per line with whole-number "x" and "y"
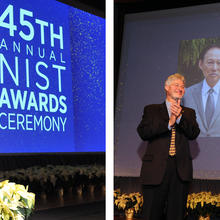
{"x": 88, "y": 206}
{"x": 89, "y": 211}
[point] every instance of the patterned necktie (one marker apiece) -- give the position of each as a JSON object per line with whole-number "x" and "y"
{"x": 172, "y": 150}
{"x": 210, "y": 107}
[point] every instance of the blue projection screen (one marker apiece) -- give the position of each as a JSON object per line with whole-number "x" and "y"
{"x": 52, "y": 78}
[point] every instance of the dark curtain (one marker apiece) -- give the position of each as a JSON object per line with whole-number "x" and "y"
{"x": 11, "y": 162}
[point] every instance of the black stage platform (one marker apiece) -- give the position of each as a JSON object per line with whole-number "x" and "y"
{"x": 88, "y": 206}
{"x": 89, "y": 211}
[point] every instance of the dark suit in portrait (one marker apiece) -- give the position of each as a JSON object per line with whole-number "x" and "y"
{"x": 165, "y": 178}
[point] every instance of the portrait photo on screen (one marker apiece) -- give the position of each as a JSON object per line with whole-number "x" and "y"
{"x": 52, "y": 78}
{"x": 199, "y": 62}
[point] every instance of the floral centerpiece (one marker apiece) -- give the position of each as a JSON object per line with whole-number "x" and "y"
{"x": 203, "y": 204}
{"x": 131, "y": 202}
{"x": 16, "y": 203}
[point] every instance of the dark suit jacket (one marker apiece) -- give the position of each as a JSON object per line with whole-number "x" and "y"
{"x": 154, "y": 129}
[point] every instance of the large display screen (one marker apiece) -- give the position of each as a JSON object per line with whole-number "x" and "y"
{"x": 52, "y": 78}
{"x": 155, "y": 45}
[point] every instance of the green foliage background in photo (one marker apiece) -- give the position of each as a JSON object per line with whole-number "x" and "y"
{"x": 188, "y": 58}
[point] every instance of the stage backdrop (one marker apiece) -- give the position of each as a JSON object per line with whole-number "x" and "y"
{"x": 52, "y": 78}
{"x": 155, "y": 45}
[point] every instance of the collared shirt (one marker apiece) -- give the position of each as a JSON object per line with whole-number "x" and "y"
{"x": 205, "y": 92}
{"x": 168, "y": 109}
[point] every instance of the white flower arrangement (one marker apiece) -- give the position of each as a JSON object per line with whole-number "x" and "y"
{"x": 16, "y": 203}
{"x": 56, "y": 175}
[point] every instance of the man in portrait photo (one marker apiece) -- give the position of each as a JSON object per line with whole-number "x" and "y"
{"x": 203, "y": 96}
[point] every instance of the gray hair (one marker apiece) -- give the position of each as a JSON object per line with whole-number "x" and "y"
{"x": 174, "y": 77}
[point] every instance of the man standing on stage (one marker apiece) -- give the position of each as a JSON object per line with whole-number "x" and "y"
{"x": 167, "y": 164}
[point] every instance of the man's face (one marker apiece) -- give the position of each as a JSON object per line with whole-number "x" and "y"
{"x": 175, "y": 90}
{"x": 210, "y": 66}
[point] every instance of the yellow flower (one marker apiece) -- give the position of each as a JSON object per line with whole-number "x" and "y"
{"x": 134, "y": 199}
{"x": 3, "y": 183}
{"x": 198, "y": 201}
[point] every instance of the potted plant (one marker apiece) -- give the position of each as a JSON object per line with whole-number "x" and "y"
{"x": 15, "y": 201}
{"x": 131, "y": 203}
{"x": 203, "y": 205}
